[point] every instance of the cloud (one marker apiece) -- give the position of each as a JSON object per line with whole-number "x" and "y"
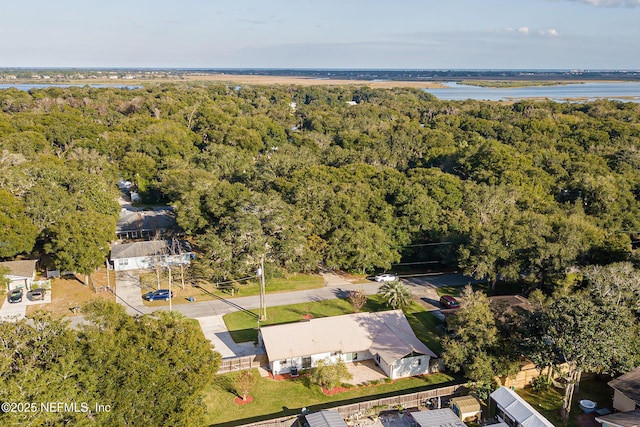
{"x": 609, "y": 3}
{"x": 523, "y": 30}
{"x": 551, "y": 32}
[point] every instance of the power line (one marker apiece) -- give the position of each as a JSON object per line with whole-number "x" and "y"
{"x": 427, "y": 244}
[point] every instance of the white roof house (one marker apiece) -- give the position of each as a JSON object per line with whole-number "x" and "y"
{"x": 385, "y": 336}
{"x": 325, "y": 419}
{"x": 150, "y": 254}
{"x": 509, "y": 405}
{"x": 437, "y": 418}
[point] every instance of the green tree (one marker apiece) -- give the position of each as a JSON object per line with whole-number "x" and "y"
{"x": 476, "y": 347}
{"x": 17, "y": 234}
{"x": 396, "y": 294}
{"x": 329, "y": 375}
{"x": 151, "y": 370}
{"x": 79, "y": 241}
{"x": 589, "y": 336}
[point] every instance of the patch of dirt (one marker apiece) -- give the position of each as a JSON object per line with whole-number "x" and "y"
{"x": 587, "y": 420}
{"x": 239, "y": 401}
{"x": 334, "y": 390}
{"x": 67, "y": 294}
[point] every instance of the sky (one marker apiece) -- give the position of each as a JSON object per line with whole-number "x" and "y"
{"x": 388, "y": 34}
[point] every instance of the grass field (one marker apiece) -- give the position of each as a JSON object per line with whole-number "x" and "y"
{"x": 206, "y": 291}
{"x": 242, "y": 325}
{"x": 549, "y": 402}
{"x": 274, "y": 399}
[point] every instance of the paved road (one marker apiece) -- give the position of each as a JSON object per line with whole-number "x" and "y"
{"x": 209, "y": 313}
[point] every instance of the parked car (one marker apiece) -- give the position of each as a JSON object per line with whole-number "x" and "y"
{"x": 386, "y": 277}
{"x": 448, "y": 301}
{"x": 160, "y": 294}
{"x": 15, "y": 296}
{"x": 36, "y": 294}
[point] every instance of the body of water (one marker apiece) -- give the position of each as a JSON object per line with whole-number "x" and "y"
{"x": 623, "y": 91}
{"x": 29, "y": 86}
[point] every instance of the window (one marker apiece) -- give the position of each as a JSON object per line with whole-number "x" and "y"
{"x": 419, "y": 362}
{"x": 355, "y": 356}
{"x": 283, "y": 362}
{"x": 124, "y": 261}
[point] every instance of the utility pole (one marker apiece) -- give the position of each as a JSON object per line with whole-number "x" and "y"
{"x": 263, "y": 306}
{"x": 170, "y": 293}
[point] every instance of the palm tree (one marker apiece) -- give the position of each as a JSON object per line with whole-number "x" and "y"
{"x": 396, "y": 294}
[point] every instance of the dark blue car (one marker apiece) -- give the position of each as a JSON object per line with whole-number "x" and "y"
{"x": 160, "y": 294}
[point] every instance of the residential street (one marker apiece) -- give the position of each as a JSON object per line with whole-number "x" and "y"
{"x": 209, "y": 313}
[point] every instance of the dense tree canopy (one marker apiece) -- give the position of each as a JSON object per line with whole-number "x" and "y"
{"x": 522, "y": 189}
{"x": 151, "y": 370}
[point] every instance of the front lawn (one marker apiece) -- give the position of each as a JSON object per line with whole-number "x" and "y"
{"x": 242, "y": 325}
{"x": 549, "y": 402}
{"x": 274, "y": 399}
{"x": 206, "y": 291}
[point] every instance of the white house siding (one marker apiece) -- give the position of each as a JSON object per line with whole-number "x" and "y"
{"x": 284, "y": 366}
{"x": 622, "y": 403}
{"x": 144, "y": 263}
{"x": 383, "y": 365}
{"x": 409, "y": 367}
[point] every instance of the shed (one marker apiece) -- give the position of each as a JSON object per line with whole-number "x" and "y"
{"x": 324, "y": 419}
{"x": 437, "y": 418}
{"x": 466, "y": 407}
{"x": 514, "y": 410}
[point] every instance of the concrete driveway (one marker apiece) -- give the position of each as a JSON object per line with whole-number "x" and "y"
{"x": 12, "y": 312}
{"x": 128, "y": 292}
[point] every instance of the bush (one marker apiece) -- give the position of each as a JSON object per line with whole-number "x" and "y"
{"x": 540, "y": 384}
{"x": 328, "y": 374}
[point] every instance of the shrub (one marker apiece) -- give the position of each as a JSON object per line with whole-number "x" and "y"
{"x": 540, "y": 384}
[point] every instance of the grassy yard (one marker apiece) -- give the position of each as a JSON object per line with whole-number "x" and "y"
{"x": 549, "y": 402}
{"x": 206, "y": 291}
{"x": 274, "y": 399}
{"x": 242, "y": 325}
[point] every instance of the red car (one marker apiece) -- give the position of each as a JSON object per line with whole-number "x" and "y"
{"x": 448, "y": 301}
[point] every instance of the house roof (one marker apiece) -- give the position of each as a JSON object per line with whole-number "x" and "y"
{"x": 622, "y": 419}
{"x": 325, "y": 419}
{"x": 387, "y": 333}
{"x": 22, "y": 268}
{"x": 466, "y": 404}
{"x": 628, "y": 384}
{"x": 145, "y": 220}
{"x": 146, "y": 249}
{"x": 437, "y": 418}
{"x": 517, "y": 408}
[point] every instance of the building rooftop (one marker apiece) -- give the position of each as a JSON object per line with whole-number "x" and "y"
{"x": 628, "y": 384}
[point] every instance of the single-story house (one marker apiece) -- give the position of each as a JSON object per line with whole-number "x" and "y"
{"x": 511, "y": 409}
{"x": 385, "y": 337}
{"x": 150, "y": 254}
{"x": 21, "y": 274}
{"x": 325, "y": 418}
{"x": 626, "y": 399}
{"x": 136, "y": 224}
{"x": 437, "y": 418}
{"x": 466, "y": 407}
